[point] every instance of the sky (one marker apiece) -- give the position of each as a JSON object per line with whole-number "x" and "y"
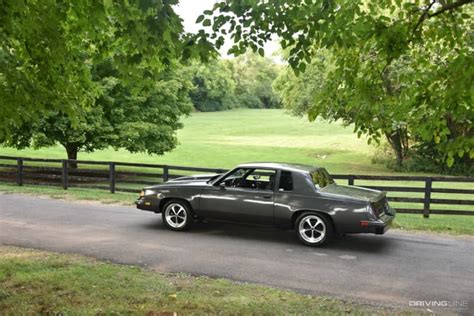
{"x": 189, "y": 10}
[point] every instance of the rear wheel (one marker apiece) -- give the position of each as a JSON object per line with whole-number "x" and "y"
{"x": 177, "y": 215}
{"x": 313, "y": 229}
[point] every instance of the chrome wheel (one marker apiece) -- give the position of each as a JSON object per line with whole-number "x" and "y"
{"x": 176, "y": 215}
{"x": 312, "y": 229}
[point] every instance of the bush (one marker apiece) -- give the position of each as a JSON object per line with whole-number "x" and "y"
{"x": 422, "y": 157}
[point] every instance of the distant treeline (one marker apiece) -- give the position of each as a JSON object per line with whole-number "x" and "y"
{"x": 242, "y": 82}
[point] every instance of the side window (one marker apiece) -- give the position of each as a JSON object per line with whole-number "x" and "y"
{"x": 286, "y": 181}
{"x": 261, "y": 179}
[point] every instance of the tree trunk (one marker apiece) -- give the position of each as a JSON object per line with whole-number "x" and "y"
{"x": 398, "y": 140}
{"x": 72, "y": 154}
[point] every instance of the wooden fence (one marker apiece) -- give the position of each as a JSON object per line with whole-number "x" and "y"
{"x": 121, "y": 177}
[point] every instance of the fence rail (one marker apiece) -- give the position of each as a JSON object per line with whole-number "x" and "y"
{"x": 105, "y": 175}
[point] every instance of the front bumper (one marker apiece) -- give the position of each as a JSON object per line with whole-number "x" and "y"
{"x": 145, "y": 204}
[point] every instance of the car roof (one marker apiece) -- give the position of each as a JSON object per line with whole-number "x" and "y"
{"x": 280, "y": 165}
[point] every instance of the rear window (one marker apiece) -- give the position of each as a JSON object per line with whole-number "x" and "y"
{"x": 321, "y": 178}
{"x": 286, "y": 181}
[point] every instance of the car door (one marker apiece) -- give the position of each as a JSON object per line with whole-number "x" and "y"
{"x": 219, "y": 201}
{"x": 243, "y": 196}
{"x": 256, "y": 197}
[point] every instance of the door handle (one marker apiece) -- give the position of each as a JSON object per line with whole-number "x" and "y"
{"x": 267, "y": 196}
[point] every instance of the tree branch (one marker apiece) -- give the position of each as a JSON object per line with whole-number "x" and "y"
{"x": 451, "y": 6}
{"x": 444, "y": 8}
{"x": 424, "y": 15}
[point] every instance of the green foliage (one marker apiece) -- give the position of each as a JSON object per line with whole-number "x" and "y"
{"x": 397, "y": 66}
{"x": 297, "y": 93}
{"x": 245, "y": 81}
{"x": 214, "y": 86}
{"x": 253, "y": 76}
{"x": 118, "y": 117}
{"x": 422, "y": 157}
{"x": 48, "y": 49}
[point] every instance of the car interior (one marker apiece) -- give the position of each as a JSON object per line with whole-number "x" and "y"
{"x": 260, "y": 179}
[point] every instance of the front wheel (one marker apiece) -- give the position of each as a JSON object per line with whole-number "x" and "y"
{"x": 177, "y": 215}
{"x": 313, "y": 229}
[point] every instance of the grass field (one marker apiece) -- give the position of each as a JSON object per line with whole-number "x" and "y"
{"x": 39, "y": 282}
{"x": 224, "y": 139}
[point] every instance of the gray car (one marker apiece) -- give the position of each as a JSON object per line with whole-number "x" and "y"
{"x": 302, "y": 197}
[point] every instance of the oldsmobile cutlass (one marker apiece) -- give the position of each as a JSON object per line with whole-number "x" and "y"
{"x": 301, "y": 197}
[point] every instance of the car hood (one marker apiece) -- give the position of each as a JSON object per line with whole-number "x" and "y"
{"x": 354, "y": 192}
{"x": 194, "y": 180}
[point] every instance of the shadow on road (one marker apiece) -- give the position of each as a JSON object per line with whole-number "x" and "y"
{"x": 225, "y": 230}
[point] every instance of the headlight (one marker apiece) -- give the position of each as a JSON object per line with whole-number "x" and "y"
{"x": 148, "y": 192}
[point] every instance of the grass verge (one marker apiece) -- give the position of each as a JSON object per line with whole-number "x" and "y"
{"x": 71, "y": 193}
{"x": 39, "y": 282}
{"x": 449, "y": 224}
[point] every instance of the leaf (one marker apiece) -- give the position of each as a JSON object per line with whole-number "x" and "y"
{"x": 261, "y": 52}
{"x": 108, "y": 4}
{"x": 450, "y": 161}
{"x": 206, "y": 22}
{"x": 302, "y": 67}
{"x": 200, "y": 18}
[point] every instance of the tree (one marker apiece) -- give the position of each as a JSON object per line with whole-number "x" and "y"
{"x": 315, "y": 93}
{"x": 214, "y": 86}
{"x": 253, "y": 76}
{"x": 368, "y": 41}
{"x": 118, "y": 118}
{"x": 49, "y": 47}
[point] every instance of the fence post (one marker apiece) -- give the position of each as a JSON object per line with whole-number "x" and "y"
{"x": 64, "y": 175}
{"x": 166, "y": 173}
{"x": 426, "y": 204}
{"x": 112, "y": 177}
{"x": 19, "y": 171}
{"x": 350, "y": 180}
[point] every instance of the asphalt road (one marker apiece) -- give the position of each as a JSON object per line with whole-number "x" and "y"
{"x": 392, "y": 269}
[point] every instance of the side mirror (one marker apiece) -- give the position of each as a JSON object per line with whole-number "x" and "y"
{"x": 222, "y": 185}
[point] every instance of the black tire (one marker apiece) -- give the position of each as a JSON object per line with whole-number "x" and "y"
{"x": 318, "y": 233}
{"x": 177, "y": 215}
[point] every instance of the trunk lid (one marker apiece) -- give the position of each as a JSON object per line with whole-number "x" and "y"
{"x": 377, "y": 199}
{"x": 367, "y": 195}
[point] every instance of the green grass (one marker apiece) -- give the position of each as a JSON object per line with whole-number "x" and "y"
{"x": 39, "y": 282}
{"x": 224, "y": 139}
{"x": 450, "y": 224}
{"x": 447, "y": 224}
{"x": 77, "y": 194}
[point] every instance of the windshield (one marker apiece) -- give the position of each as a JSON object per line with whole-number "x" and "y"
{"x": 214, "y": 178}
{"x": 321, "y": 178}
